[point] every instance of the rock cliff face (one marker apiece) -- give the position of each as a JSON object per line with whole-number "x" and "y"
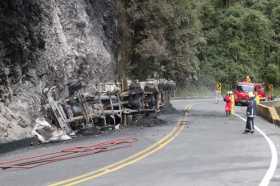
{"x": 51, "y": 42}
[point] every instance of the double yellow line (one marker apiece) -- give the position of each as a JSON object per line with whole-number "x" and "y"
{"x": 126, "y": 162}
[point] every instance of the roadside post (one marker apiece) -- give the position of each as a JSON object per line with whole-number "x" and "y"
{"x": 218, "y": 91}
{"x": 270, "y": 91}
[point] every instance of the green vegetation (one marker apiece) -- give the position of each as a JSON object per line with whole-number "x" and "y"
{"x": 193, "y": 91}
{"x": 241, "y": 40}
{"x": 199, "y": 42}
{"x": 163, "y": 39}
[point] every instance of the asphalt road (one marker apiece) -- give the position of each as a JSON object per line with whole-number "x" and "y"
{"x": 211, "y": 150}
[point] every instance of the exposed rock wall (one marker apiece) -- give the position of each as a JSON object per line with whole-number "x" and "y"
{"x": 50, "y": 42}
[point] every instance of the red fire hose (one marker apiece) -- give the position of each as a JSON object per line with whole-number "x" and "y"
{"x": 66, "y": 154}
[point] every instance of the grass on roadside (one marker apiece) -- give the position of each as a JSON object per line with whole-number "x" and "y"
{"x": 193, "y": 91}
{"x": 276, "y": 92}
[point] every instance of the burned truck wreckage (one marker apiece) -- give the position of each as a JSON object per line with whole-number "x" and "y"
{"x": 106, "y": 106}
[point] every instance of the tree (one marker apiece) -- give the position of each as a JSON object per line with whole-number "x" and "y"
{"x": 271, "y": 74}
{"x": 197, "y": 41}
{"x": 164, "y": 37}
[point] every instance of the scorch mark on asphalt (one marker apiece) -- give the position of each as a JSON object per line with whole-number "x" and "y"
{"x": 274, "y": 156}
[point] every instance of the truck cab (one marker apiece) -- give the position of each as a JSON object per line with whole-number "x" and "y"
{"x": 242, "y": 90}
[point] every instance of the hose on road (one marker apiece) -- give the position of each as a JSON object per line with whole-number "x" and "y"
{"x": 66, "y": 154}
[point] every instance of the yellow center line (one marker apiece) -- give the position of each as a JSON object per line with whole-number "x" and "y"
{"x": 128, "y": 161}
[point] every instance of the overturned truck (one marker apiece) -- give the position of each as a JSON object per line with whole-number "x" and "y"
{"x": 107, "y": 106}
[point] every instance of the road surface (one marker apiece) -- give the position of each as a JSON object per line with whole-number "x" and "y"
{"x": 209, "y": 151}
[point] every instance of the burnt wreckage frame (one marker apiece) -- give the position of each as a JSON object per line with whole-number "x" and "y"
{"x": 109, "y": 105}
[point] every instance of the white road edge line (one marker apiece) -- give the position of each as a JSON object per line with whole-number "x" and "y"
{"x": 274, "y": 156}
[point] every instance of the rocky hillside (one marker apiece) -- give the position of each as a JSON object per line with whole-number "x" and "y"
{"x": 47, "y": 42}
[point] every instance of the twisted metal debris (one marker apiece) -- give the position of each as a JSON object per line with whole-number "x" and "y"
{"x": 108, "y": 106}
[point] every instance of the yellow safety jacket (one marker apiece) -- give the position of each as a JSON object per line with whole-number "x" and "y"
{"x": 258, "y": 99}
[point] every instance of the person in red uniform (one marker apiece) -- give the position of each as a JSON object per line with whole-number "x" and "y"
{"x": 228, "y": 104}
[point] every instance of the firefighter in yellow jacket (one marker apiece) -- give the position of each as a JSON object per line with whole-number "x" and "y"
{"x": 232, "y": 99}
{"x": 257, "y": 98}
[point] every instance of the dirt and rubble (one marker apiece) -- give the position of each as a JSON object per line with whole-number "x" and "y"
{"x": 14, "y": 124}
{"x": 154, "y": 119}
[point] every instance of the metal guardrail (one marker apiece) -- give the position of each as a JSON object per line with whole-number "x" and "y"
{"x": 269, "y": 112}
